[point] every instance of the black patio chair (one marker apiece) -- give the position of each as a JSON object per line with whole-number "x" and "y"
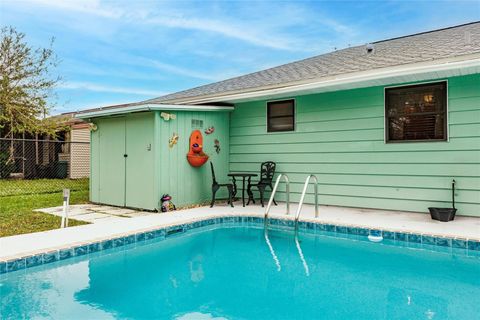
{"x": 267, "y": 171}
{"x": 216, "y": 186}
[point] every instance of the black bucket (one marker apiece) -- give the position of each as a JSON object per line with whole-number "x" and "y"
{"x": 442, "y": 214}
{"x": 445, "y": 214}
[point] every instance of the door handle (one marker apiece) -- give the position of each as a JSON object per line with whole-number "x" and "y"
{"x": 125, "y": 155}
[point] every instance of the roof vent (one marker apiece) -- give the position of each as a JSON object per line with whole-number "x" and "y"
{"x": 370, "y": 48}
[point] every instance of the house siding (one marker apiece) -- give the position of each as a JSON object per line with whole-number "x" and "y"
{"x": 339, "y": 137}
{"x": 80, "y": 153}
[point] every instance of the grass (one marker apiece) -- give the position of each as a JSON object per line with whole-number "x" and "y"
{"x": 18, "y": 199}
{"x": 40, "y": 186}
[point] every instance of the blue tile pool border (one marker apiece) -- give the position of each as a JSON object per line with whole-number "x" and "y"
{"x": 408, "y": 239}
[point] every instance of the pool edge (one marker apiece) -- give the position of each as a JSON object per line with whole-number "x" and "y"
{"x": 414, "y": 240}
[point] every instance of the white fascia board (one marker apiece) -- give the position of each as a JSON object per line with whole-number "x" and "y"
{"x": 405, "y": 73}
{"x": 184, "y": 107}
{"x": 150, "y": 107}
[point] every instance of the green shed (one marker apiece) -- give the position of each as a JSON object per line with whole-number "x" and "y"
{"x": 136, "y": 157}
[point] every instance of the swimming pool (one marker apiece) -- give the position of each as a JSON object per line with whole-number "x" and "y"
{"x": 236, "y": 271}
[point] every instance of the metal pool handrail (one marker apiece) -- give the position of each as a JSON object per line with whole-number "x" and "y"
{"x": 277, "y": 182}
{"x": 300, "y": 204}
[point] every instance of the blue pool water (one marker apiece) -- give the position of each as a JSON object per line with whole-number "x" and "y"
{"x": 236, "y": 272}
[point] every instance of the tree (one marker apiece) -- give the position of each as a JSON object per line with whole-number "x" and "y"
{"x": 26, "y": 85}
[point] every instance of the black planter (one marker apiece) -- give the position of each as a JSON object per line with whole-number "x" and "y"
{"x": 445, "y": 214}
{"x": 442, "y": 214}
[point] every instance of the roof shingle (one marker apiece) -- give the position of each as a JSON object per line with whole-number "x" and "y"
{"x": 422, "y": 47}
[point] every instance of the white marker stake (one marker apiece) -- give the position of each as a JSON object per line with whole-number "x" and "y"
{"x": 66, "y": 202}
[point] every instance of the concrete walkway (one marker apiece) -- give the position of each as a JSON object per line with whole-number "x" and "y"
{"x": 95, "y": 213}
{"x": 28, "y": 244}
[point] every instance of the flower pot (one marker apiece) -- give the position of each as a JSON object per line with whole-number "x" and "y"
{"x": 197, "y": 160}
{"x": 195, "y": 156}
{"x": 442, "y": 214}
{"x": 445, "y": 214}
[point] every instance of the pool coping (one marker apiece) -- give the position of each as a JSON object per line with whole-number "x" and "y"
{"x": 427, "y": 241}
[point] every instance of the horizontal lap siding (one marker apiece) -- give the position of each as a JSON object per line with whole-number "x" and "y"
{"x": 80, "y": 154}
{"x": 340, "y": 137}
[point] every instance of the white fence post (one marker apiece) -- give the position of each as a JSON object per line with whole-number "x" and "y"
{"x": 66, "y": 203}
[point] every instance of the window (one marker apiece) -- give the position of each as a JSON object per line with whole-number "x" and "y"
{"x": 416, "y": 113}
{"x": 281, "y": 116}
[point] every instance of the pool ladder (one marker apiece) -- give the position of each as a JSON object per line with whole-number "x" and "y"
{"x": 302, "y": 198}
{"x": 287, "y": 190}
{"x": 297, "y": 216}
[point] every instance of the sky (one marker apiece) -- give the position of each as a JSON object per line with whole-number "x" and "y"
{"x": 114, "y": 52}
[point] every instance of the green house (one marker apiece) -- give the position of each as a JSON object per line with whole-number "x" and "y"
{"x": 386, "y": 125}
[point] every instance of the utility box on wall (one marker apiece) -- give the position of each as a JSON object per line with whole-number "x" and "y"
{"x": 139, "y": 155}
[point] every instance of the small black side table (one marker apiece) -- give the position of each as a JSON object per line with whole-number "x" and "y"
{"x": 244, "y": 176}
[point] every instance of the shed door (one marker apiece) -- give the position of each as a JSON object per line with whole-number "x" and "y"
{"x": 139, "y": 192}
{"x": 111, "y": 161}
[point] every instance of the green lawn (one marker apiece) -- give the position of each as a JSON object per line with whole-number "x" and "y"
{"x": 37, "y": 186}
{"x": 18, "y": 199}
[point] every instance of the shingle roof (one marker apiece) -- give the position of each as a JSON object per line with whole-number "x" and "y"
{"x": 421, "y": 47}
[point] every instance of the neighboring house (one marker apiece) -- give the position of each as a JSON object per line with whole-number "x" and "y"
{"x": 77, "y": 150}
{"x": 386, "y": 125}
{"x": 39, "y": 156}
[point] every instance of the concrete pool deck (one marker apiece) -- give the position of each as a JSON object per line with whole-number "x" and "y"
{"x": 93, "y": 213}
{"x": 40, "y": 242}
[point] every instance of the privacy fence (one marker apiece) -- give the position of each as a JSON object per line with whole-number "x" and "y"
{"x": 29, "y": 166}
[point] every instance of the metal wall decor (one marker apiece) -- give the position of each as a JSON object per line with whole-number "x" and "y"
{"x": 173, "y": 140}
{"x": 168, "y": 116}
{"x": 216, "y": 145}
{"x": 209, "y": 130}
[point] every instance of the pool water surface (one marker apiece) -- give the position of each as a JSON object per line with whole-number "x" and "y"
{"x": 239, "y": 272}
